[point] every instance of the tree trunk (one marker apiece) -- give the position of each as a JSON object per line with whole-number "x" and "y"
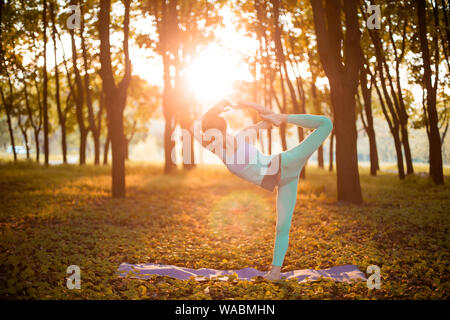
{"x": 167, "y": 25}
{"x": 374, "y": 163}
{"x": 8, "y": 120}
{"x": 79, "y": 101}
{"x": 127, "y": 143}
{"x": 302, "y": 110}
{"x": 403, "y": 116}
{"x": 115, "y": 96}
{"x": 70, "y": 96}
{"x": 23, "y": 130}
{"x": 36, "y": 142}
{"x": 39, "y": 125}
{"x": 341, "y": 65}
{"x": 46, "y": 146}
{"x": 30, "y": 117}
{"x": 393, "y": 127}
{"x": 283, "y": 137}
{"x": 330, "y": 167}
{"x": 61, "y": 116}
{"x": 99, "y": 122}
{"x": 64, "y": 141}
{"x": 269, "y": 140}
{"x": 106, "y": 149}
{"x": 96, "y": 138}
{"x": 92, "y": 125}
{"x": 169, "y": 144}
{"x": 406, "y": 147}
{"x": 398, "y": 150}
{"x": 169, "y": 125}
{"x": 190, "y": 164}
{"x": 118, "y": 147}
{"x": 317, "y": 110}
{"x": 279, "y": 50}
{"x": 402, "y": 119}
{"x": 27, "y": 145}
{"x": 346, "y": 151}
{"x": 25, "y": 139}
{"x": 11, "y": 136}
{"x": 435, "y": 154}
{"x": 283, "y": 110}
{"x": 368, "y": 124}
{"x": 392, "y": 116}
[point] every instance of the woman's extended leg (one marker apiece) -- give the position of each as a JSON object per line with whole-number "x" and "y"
{"x": 292, "y": 162}
{"x": 286, "y": 199}
{"x": 295, "y": 158}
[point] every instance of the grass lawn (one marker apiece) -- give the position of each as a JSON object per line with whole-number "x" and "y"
{"x": 54, "y": 217}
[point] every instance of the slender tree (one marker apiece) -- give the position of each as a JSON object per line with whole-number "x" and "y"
{"x": 94, "y": 126}
{"x": 435, "y": 154}
{"x": 367, "y": 119}
{"x": 61, "y": 115}
{"x": 341, "y": 65}
{"x": 35, "y": 119}
{"x": 23, "y": 126}
{"x": 115, "y": 95}
{"x": 395, "y": 113}
{"x": 79, "y": 98}
{"x": 7, "y": 104}
{"x": 45, "y": 93}
{"x": 281, "y": 57}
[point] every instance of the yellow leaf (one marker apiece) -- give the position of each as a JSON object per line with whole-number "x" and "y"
{"x": 142, "y": 290}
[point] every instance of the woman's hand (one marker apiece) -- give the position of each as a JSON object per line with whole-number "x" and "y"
{"x": 275, "y": 119}
{"x": 238, "y": 105}
{"x": 221, "y": 105}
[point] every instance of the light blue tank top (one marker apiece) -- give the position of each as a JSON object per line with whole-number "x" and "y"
{"x": 248, "y": 163}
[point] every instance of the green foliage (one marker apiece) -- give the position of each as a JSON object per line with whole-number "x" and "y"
{"x": 54, "y": 217}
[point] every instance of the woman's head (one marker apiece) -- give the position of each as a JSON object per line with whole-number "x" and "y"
{"x": 214, "y": 121}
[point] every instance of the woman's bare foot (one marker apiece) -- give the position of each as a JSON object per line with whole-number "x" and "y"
{"x": 274, "y": 118}
{"x": 245, "y": 104}
{"x": 273, "y": 274}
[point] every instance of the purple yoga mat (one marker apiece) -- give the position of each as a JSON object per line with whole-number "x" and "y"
{"x": 345, "y": 273}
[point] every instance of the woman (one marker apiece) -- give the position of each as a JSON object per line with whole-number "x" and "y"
{"x": 281, "y": 170}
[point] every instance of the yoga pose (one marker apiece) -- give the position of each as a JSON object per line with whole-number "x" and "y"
{"x": 280, "y": 171}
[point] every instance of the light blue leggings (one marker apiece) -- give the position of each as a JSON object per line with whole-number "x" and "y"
{"x": 292, "y": 162}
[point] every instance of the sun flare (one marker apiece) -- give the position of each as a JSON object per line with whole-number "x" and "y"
{"x": 211, "y": 75}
